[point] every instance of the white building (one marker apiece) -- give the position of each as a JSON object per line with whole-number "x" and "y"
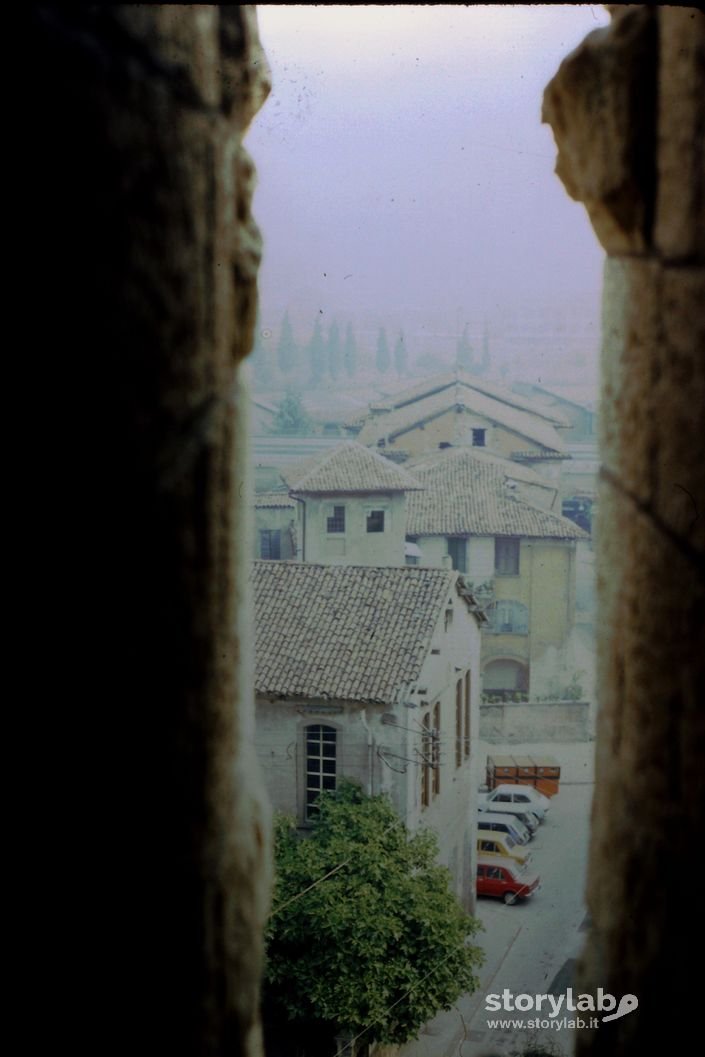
{"x": 351, "y": 507}
{"x": 371, "y": 674}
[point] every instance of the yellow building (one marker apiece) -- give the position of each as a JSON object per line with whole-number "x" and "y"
{"x": 457, "y": 408}
{"x": 518, "y": 556}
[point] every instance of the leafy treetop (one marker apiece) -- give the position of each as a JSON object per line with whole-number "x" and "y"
{"x": 379, "y": 946}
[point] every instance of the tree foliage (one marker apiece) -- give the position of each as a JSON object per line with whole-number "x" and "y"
{"x": 381, "y": 944}
{"x": 400, "y": 357}
{"x": 335, "y": 353}
{"x": 287, "y": 351}
{"x": 317, "y": 353}
{"x": 350, "y": 352}
{"x": 291, "y": 418}
{"x": 382, "y": 359}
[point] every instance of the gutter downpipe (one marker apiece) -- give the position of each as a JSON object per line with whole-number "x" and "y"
{"x": 370, "y": 745}
{"x": 303, "y": 526}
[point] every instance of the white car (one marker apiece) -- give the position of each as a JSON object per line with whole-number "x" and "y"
{"x": 524, "y": 795}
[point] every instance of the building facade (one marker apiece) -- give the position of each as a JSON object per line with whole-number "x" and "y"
{"x": 372, "y": 675}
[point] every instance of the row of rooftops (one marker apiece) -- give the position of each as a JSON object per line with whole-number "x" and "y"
{"x": 453, "y": 491}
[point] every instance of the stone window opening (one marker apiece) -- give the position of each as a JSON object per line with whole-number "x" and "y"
{"x": 628, "y": 117}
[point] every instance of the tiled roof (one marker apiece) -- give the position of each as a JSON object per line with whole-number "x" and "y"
{"x": 346, "y": 632}
{"x": 467, "y": 495}
{"x": 349, "y": 467}
{"x": 525, "y": 423}
{"x": 447, "y": 380}
{"x": 513, "y": 470}
{"x": 274, "y": 501}
{"x": 508, "y": 396}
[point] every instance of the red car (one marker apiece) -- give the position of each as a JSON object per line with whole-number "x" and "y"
{"x": 505, "y": 879}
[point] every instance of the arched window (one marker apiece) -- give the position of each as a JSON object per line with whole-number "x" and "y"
{"x": 321, "y": 765}
{"x": 504, "y": 677}
{"x": 508, "y": 617}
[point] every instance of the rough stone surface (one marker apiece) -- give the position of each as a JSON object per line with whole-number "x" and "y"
{"x": 649, "y": 800}
{"x": 601, "y": 106}
{"x": 680, "y": 227}
{"x": 146, "y": 260}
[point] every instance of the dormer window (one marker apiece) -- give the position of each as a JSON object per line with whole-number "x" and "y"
{"x": 479, "y": 438}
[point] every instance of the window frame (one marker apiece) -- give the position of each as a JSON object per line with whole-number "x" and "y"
{"x": 325, "y": 730}
{"x": 369, "y": 513}
{"x": 501, "y": 543}
{"x": 333, "y": 517}
{"x": 269, "y": 534}
{"x": 519, "y": 624}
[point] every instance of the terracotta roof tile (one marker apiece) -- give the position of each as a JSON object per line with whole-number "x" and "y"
{"x": 351, "y": 632}
{"x": 274, "y": 501}
{"x": 467, "y": 494}
{"x": 349, "y": 467}
{"x": 528, "y": 424}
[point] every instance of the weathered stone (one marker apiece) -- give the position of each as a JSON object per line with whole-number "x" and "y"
{"x": 650, "y": 780}
{"x": 146, "y": 296}
{"x": 680, "y": 214}
{"x": 601, "y": 106}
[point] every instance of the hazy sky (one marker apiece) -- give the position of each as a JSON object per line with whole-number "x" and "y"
{"x": 404, "y": 169}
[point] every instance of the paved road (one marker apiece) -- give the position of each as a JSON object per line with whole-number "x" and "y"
{"x": 531, "y": 947}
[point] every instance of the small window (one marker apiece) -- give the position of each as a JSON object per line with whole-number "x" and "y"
{"x": 506, "y": 557}
{"x": 336, "y": 522}
{"x": 467, "y": 714}
{"x": 375, "y": 521}
{"x": 448, "y": 622}
{"x": 478, "y": 438}
{"x": 270, "y": 544}
{"x": 436, "y": 748}
{"x": 457, "y": 551}
{"x": 458, "y": 722}
{"x": 426, "y": 749}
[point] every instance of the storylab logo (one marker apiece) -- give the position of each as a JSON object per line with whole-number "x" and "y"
{"x": 552, "y": 1011}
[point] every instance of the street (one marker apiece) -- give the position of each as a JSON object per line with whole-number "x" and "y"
{"x": 531, "y": 947}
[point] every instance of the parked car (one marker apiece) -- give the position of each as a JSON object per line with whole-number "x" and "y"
{"x": 502, "y": 844}
{"x": 490, "y": 820}
{"x": 525, "y": 795}
{"x": 519, "y": 811}
{"x": 505, "y": 880}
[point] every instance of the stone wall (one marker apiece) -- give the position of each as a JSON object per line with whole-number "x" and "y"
{"x": 628, "y": 112}
{"x": 510, "y": 722}
{"x": 143, "y": 300}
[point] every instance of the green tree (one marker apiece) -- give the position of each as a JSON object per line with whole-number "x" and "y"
{"x": 286, "y": 347}
{"x": 400, "y": 357}
{"x": 260, "y": 358}
{"x": 334, "y": 351}
{"x": 378, "y": 947}
{"x": 291, "y": 418}
{"x": 464, "y": 354}
{"x": 350, "y": 352}
{"x": 317, "y": 353}
{"x": 383, "y": 359}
